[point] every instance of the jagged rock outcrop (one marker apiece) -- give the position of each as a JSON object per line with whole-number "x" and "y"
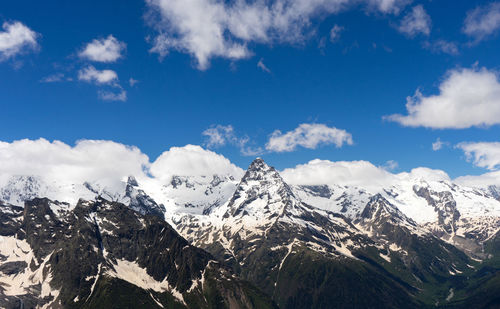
{"x": 84, "y": 257}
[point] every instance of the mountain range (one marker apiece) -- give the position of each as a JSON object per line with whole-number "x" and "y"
{"x": 215, "y": 241}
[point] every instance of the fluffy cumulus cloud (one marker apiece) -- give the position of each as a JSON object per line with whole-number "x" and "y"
{"x": 482, "y": 154}
{"x": 192, "y": 160}
{"x": 215, "y": 28}
{"x": 103, "y": 50}
{"x": 16, "y": 38}
{"x": 88, "y": 160}
{"x": 91, "y": 74}
{"x": 308, "y": 135}
{"x": 416, "y": 22}
{"x": 467, "y": 98}
{"x": 483, "y": 21}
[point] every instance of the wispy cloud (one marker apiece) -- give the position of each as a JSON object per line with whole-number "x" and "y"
{"x": 206, "y": 29}
{"x": 54, "y": 78}
{"x": 335, "y": 33}
{"x": 390, "y": 165}
{"x": 482, "y": 21}
{"x": 108, "y": 95}
{"x": 442, "y": 46}
{"x": 132, "y": 82}
{"x": 482, "y": 154}
{"x": 220, "y": 135}
{"x": 262, "y": 66}
{"x": 438, "y": 144}
{"x": 416, "y": 22}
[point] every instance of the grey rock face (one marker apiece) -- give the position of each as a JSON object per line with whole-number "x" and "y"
{"x": 444, "y": 205}
{"x": 76, "y": 250}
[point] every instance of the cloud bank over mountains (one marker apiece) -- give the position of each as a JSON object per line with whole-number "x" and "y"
{"x": 109, "y": 164}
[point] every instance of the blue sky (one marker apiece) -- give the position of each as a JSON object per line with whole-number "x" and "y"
{"x": 381, "y": 52}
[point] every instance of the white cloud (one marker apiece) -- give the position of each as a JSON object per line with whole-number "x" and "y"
{"x": 216, "y": 28}
{"x": 192, "y": 160}
{"x": 438, "y": 144}
{"x": 88, "y": 160}
{"x": 390, "y": 165}
{"x": 354, "y": 173}
{"x": 103, "y": 50}
{"x": 389, "y": 6}
{"x": 482, "y": 154}
{"x": 480, "y": 181}
{"x": 15, "y": 39}
{"x": 54, "y": 78}
{"x": 262, "y": 66}
{"x": 220, "y": 135}
{"x": 105, "y": 164}
{"x": 482, "y": 21}
{"x": 467, "y": 98}
{"x": 95, "y": 161}
{"x": 107, "y": 95}
{"x": 91, "y": 74}
{"x": 335, "y": 33}
{"x": 308, "y": 135}
{"x": 132, "y": 82}
{"x": 343, "y": 173}
{"x": 416, "y": 22}
{"x": 442, "y": 46}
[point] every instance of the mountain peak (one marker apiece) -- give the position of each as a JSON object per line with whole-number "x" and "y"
{"x": 258, "y": 164}
{"x": 260, "y": 171}
{"x": 261, "y": 194}
{"x": 131, "y": 181}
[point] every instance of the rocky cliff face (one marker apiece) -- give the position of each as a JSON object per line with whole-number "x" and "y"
{"x": 83, "y": 257}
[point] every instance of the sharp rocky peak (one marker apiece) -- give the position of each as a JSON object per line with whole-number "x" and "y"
{"x": 131, "y": 181}
{"x": 261, "y": 193}
{"x": 259, "y": 170}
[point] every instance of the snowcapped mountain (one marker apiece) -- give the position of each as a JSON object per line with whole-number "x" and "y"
{"x": 102, "y": 254}
{"x": 269, "y": 222}
{"x": 417, "y": 237}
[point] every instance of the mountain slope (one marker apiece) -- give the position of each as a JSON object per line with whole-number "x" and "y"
{"x": 266, "y": 232}
{"x": 88, "y": 256}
